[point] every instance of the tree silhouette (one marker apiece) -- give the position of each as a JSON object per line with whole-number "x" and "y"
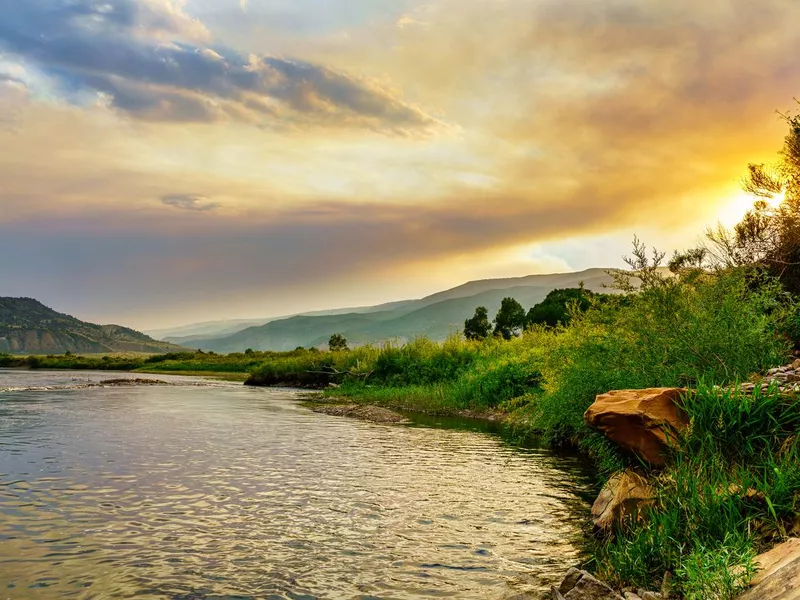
{"x": 510, "y": 319}
{"x": 478, "y": 327}
{"x": 337, "y": 342}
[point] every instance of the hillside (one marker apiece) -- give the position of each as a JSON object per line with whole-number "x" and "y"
{"x": 435, "y": 316}
{"x": 29, "y": 327}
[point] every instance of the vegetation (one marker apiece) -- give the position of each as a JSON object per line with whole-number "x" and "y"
{"x": 478, "y": 327}
{"x": 510, "y": 319}
{"x": 558, "y": 305}
{"x": 732, "y": 489}
{"x": 337, "y": 343}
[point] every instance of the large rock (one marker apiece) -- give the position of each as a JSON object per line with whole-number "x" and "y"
{"x": 580, "y": 585}
{"x": 623, "y": 496}
{"x": 778, "y": 576}
{"x": 644, "y": 422}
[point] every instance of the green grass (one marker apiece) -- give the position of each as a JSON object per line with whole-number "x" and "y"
{"x": 731, "y": 490}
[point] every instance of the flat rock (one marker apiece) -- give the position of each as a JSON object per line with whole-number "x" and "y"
{"x": 775, "y": 559}
{"x": 643, "y": 422}
{"x": 782, "y": 584}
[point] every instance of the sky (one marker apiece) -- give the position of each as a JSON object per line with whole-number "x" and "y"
{"x": 171, "y": 161}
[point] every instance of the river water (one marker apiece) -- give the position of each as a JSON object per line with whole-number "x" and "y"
{"x": 211, "y": 490}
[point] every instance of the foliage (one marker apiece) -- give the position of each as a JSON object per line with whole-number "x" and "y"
{"x": 478, "y": 327}
{"x": 510, "y": 319}
{"x": 337, "y": 343}
{"x": 558, "y": 305}
{"x": 674, "y": 331}
{"x": 768, "y": 235}
{"x": 732, "y": 487}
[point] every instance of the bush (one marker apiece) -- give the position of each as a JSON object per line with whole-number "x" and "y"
{"x": 719, "y": 328}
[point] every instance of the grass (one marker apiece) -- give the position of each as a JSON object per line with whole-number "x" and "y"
{"x": 731, "y": 490}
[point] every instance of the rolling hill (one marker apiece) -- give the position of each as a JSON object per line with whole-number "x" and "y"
{"x": 29, "y": 327}
{"x": 435, "y": 316}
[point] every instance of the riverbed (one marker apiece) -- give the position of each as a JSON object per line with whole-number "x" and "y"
{"x": 212, "y": 490}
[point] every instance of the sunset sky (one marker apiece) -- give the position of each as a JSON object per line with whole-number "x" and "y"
{"x": 166, "y": 161}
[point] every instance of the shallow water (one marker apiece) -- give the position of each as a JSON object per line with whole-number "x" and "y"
{"x": 221, "y": 491}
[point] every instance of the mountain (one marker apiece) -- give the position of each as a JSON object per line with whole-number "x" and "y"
{"x": 435, "y": 316}
{"x": 187, "y": 334}
{"x": 29, "y": 327}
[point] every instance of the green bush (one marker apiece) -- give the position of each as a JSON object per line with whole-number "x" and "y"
{"x": 718, "y": 328}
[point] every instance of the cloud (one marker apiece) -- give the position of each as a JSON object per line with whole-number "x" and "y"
{"x": 191, "y": 202}
{"x": 150, "y": 60}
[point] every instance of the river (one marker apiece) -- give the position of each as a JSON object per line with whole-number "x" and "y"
{"x": 211, "y": 490}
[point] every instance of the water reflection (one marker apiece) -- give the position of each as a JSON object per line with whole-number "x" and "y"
{"x": 233, "y": 492}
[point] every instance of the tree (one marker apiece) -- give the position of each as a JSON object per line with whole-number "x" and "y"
{"x": 768, "y": 236}
{"x": 478, "y": 327}
{"x": 337, "y": 342}
{"x": 510, "y": 319}
{"x": 556, "y": 306}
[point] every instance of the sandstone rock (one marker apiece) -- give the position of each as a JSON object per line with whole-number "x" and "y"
{"x": 624, "y": 495}
{"x": 644, "y": 422}
{"x": 652, "y": 596}
{"x": 580, "y": 585}
{"x": 777, "y": 558}
{"x": 631, "y": 596}
{"x": 783, "y": 584}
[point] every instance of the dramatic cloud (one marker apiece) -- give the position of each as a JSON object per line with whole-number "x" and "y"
{"x": 190, "y": 202}
{"x": 579, "y": 124}
{"x": 148, "y": 59}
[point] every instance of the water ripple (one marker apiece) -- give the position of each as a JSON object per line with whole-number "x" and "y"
{"x": 226, "y": 492}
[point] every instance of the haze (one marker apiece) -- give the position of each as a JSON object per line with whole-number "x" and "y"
{"x": 165, "y": 162}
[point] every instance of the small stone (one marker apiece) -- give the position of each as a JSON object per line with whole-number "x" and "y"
{"x": 652, "y": 596}
{"x": 631, "y": 596}
{"x": 623, "y": 496}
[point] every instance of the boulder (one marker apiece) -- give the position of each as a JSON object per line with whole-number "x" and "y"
{"x": 644, "y": 422}
{"x": 775, "y": 559}
{"x": 580, "y": 585}
{"x": 623, "y": 496}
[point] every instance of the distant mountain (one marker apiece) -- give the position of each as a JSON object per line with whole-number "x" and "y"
{"x": 188, "y": 334}
{"x": 435, "y": 316}
{"x": 29, "y": 327}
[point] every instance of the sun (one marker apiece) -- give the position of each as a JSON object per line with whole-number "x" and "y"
{"x": 734, "y": 208}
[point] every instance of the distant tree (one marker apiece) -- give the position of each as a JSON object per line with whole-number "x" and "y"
{"x": 555, "y": 308}
{"x": 249, "y": 352}
{"x": 510, "y": 319}
{"x": 337, "y": 342}
{"x": 478, "y": 327}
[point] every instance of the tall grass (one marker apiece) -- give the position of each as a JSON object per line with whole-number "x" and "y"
{"x": 732, "y": 487}
{"x": 717, "y": 328}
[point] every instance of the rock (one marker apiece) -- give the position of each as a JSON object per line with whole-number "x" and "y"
{"x": 623, "y": 496}
{"x": 778, "y": 575}
{"x": 644, "y": 422}
{"x": 783, "y": 584}
{"x": 652, "y": 596}
{"x": 631, "y": 596}
{"x": 796, "y": 364}
{"x": 777, "y": 558}
{"x": 334, "y": 386}
{"x": 580, "y": 585}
